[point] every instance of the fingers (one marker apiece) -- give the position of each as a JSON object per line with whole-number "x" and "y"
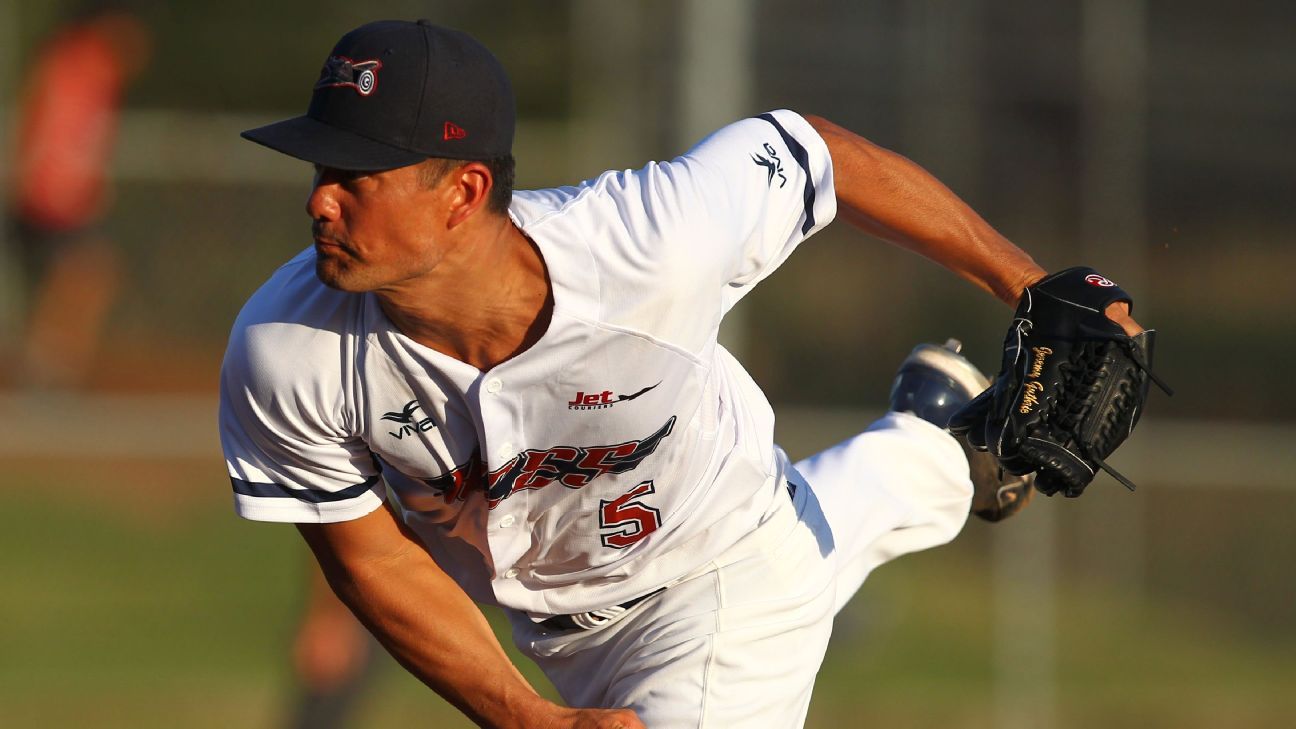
{"x": 623, "y": 719}
{"x": 1119, "y": 312}
{"x": 602, "y": 719}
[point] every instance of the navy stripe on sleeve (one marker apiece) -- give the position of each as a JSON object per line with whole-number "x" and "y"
{"x": 276, "y": 491}
{"x": 803, "y": 158}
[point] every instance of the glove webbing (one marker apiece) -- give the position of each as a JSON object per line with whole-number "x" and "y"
{"x": 1069, "y": 417}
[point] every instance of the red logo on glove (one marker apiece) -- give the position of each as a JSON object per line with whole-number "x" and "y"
{"x": 1094, "y": 279}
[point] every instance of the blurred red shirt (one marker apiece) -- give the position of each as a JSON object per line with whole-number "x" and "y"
{"x": 67, "y": 130}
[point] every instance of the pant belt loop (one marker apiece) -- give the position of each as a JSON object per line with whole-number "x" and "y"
{"x": 594, "y": 618}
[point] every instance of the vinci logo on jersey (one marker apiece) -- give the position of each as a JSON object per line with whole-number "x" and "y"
{"x": 408, "y": 423}
{"x": 599, "y": 400}
{"x": 571, "y": 466}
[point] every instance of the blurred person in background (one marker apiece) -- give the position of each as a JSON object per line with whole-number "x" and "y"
{"x": 333, "y": 660}
{"x": 67, "y": 126}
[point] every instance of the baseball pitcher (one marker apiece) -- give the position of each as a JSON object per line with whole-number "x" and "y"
{"x": 462, "y": 393}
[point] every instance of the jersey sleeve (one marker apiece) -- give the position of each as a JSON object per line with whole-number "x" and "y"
{"x": 766, "y": 183}
{"x": 284, "y": 429}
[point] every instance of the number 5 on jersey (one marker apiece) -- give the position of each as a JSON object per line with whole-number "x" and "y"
{"x": 625, "y": 520}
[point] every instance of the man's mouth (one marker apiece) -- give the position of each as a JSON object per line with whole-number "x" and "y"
{"x": 325, "y": 243}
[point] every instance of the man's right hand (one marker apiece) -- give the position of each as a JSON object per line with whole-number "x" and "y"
{"x": 568, "y": 718}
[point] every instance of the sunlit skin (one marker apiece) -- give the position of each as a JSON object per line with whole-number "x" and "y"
{"x": 886, "y": 195}
{"x": 450, "y": 273}
{"x": 371, "y": 229}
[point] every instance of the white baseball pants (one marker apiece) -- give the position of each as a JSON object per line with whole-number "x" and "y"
{"x": 739, "y": 642}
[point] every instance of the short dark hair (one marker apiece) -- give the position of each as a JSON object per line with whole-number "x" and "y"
{"x": 436, "y": 168}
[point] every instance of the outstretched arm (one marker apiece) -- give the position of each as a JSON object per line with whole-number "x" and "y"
{"x": 430, "y": 625}
{"x": 889, "y": 196}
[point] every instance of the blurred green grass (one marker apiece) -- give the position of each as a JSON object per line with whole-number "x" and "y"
{"x": 133, "y": 597}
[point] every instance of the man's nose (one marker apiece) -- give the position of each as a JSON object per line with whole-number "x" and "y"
{"x": 322, "y": 203}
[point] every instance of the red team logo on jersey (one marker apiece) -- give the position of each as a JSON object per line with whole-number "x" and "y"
{"x": 571, "y": 466}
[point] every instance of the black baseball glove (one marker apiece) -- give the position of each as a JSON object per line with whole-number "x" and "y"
{"x": 1071, "y": 388}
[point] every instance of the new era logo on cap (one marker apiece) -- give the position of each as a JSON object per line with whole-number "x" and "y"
{"x": 454, "y": 131}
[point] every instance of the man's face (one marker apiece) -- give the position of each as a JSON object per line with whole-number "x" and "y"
{"x": 373, "y": 230}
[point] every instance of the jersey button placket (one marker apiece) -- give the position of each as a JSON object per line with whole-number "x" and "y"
{"x": 493, "y": 386}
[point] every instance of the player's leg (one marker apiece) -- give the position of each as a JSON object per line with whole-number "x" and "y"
{"x": 737, "y": 644}
{"x": 899, "y": 487}
{"x": 69, "y": 306}
{"x": 905, "y": 484}
{"x": 333, "y": 660}
{"x": 935, "y": 382}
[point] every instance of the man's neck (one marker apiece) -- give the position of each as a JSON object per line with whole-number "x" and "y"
{"x": 489, "y": 301}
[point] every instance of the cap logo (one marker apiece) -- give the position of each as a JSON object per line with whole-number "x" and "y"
{"x": 342, "y": 71}
{"x": 454, "y": 131}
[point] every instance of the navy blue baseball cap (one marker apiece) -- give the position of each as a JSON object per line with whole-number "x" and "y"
{"x": 393, "y": 93}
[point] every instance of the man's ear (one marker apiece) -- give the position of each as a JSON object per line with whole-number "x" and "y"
{"x": 470, "y": 186}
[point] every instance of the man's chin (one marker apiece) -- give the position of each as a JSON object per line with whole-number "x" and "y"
{"x": 333, "y": 276}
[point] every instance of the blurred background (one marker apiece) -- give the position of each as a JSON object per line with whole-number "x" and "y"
{"x": 1142, "y": 137}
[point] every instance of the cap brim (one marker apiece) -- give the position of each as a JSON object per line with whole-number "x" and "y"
{"x": 314, "y": 141}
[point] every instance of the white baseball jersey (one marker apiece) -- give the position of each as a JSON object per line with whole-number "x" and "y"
{"x": 620, "y": 452}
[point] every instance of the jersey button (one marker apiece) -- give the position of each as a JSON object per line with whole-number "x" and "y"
{"x": 506, "y": 447}
{"x": 510, "y": 574}
{"x": 507, "y": 521}
{"x": 493, "y": 385}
